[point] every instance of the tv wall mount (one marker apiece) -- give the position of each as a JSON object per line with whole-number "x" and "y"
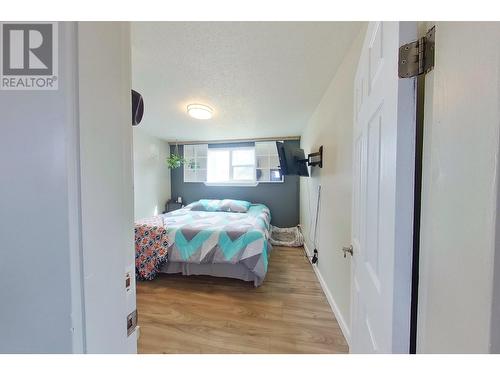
{"x": 314, "y": 159}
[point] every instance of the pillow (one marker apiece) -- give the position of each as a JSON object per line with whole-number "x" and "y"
{"x": 206, "y": 205}
{"x": 233, "y": 205}
{"x": 225, "y": 205}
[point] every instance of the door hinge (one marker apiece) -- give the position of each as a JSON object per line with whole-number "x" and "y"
{"x": 417, "y": 57}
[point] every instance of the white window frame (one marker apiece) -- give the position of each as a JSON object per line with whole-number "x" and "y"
{"x": 198, "y": 153}
{"x": 231, "y": 181}
{"x": 268, "y": 156}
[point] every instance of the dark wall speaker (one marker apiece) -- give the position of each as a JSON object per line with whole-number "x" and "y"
{"x": 137, "y": 108}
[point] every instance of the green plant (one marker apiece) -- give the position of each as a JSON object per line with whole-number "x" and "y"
{"x": 175, "y": 160}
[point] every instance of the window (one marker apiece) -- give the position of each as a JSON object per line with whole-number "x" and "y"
{"x": 195, "y": 167}
{"x": 238, "y": 165}
{"x": 268, "y": 164}
{"x": 231, "y": 165}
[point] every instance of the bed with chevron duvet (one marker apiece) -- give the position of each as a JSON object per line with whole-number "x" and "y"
{"x": 225, "y": 238}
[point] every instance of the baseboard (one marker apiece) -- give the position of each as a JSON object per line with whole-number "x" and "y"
{"x": 340, "y": 319}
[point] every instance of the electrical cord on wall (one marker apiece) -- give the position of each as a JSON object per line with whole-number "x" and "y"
{"x": 309, "y": 224}
{"x": 307, "y": 256}
{"x": 314, "y": 259}
{"x": 309, "y": 227}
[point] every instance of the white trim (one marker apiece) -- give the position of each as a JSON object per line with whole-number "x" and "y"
{"x": 235, "y": 140}
{"x": 329, "y": 297}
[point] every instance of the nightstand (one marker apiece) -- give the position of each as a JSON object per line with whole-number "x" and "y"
{"x": 172, "y": 206}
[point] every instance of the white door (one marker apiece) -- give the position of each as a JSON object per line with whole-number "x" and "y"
{"x": 382, "y": 218}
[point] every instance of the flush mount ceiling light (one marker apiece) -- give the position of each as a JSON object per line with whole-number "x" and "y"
{"x": 200, "y": 111}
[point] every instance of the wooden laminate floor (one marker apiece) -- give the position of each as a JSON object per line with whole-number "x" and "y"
{"x": 199, "y": 314}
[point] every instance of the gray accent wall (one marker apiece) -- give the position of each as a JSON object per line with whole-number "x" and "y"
{"x": 281, "y": 198}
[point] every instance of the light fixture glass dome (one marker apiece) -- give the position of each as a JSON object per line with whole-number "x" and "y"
{"x": 200, "y": 111}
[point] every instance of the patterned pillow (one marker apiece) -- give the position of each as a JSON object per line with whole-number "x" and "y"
{"x": 233, "y": 205}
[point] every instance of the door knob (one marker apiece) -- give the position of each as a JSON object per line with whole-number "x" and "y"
{"x": 347, "y": 249}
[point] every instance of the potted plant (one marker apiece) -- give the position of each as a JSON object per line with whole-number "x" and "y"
{"x": 175, "y": 160}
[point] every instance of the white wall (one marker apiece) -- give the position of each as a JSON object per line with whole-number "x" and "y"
{"x": 331, "y": 126}
{"x": 66, "y": 201}
{"x": 459, "y": 191}
{"x": 106, "y": 184}
{"x": 151, "y": 174}
{"x": 38, "y": 168}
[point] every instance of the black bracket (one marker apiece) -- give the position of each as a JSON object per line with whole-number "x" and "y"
{"x": 316, "y": 158}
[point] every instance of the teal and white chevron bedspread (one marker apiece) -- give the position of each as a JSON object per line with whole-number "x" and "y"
{"x": 220, "y": 237}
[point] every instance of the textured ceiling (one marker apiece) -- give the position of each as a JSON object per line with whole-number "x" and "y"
{"x": 263, "y": 79}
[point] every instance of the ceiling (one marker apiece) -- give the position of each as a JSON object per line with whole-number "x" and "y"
{"x": 263, "y": 79}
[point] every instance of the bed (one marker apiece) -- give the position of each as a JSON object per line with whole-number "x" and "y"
{"x": 224, "y": 238}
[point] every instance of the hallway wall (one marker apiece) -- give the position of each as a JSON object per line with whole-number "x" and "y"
{"x": 38, "y": 164}
{"x": 151, "y": 174}
{"x": 331, "y": 126}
